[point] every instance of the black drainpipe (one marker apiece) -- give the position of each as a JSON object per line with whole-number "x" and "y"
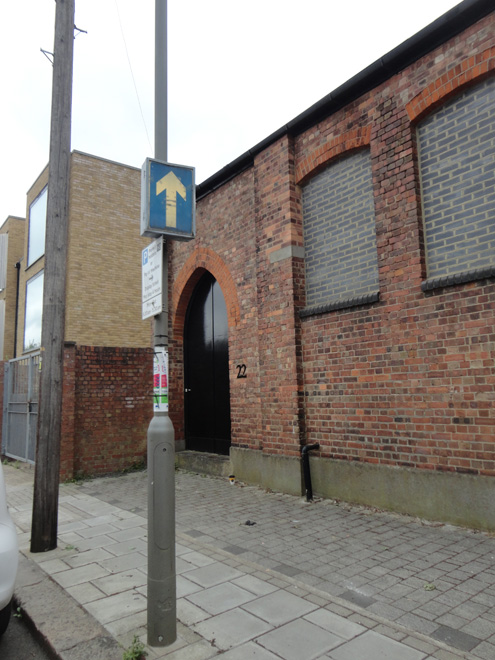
{"x": 18, "y": 268}
{"x": 306, "y": 471}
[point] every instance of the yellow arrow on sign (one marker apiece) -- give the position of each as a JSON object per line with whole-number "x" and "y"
{"x": 173, "y": 186}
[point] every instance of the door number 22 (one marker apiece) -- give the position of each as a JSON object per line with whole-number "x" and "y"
{"x": 241, "y": 371}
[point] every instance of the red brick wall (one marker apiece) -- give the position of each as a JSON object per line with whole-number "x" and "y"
{"x": 278, "y": 284}
{"x": 112, "y": 407}
{"x": 406, "y": 381}
{"x": 107, "y": 406}
{"x": 68, "y": 413}
{"x": 226, "y": 246}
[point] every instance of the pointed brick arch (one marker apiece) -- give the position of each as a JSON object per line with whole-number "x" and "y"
{"x": 201, "y": 260}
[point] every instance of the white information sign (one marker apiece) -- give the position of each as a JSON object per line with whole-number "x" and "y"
{"x": 152, "y": 269}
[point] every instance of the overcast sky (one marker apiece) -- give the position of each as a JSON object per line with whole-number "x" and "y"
{"x": 237, "y": 72}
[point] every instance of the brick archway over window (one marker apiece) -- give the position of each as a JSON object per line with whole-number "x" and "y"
{"x": 470, "y": 70}
{"x": 341, "y": 144}
{"x": 201, "y": 260}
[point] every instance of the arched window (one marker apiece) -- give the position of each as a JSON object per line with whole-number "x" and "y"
{"x": 457, "y": 166}
{"x": 339, "y": 233}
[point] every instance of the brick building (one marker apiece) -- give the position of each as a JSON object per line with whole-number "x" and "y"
{"x": 108, "y": 359}
{"x": 340, "y": 290}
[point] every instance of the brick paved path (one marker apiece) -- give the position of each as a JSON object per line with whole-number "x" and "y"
{"x": 438, "y": 580}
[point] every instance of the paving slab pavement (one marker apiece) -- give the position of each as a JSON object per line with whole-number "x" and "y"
{"x": 321, "y": 580}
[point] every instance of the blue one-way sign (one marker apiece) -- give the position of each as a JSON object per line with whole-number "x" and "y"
{"x": 168, "y": 200}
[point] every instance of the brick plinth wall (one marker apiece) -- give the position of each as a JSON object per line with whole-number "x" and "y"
{"x": 106, "y": 408}
{"x": 110, "y": 410}
{"x": 68, "y": 413}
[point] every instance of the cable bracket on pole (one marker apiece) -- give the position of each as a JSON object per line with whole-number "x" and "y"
{"x": 49, "y": 56}
{"x": 79, "y": 31}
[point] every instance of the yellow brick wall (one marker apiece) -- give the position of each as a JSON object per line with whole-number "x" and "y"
{"x": 103, "y": 297}
{"x": 104, "y": 259}
{"x": 14, "y": 227}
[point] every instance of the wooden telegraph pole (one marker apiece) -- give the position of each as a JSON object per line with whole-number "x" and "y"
{"x": 46, "y": 480}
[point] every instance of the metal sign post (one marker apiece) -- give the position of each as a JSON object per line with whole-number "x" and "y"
{"x": 167, "y": 209}
{"x": 162, "y": 624}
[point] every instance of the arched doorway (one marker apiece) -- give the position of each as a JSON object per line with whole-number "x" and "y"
{"x": 206, "y": 369}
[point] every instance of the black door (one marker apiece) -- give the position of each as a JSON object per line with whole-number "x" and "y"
{"x": 206, "y": 370}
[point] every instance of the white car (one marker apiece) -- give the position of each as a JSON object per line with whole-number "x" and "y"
{"x": 9, "y": 557}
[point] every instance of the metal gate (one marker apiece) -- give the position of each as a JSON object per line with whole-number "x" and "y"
{"x": 20, "y": 409}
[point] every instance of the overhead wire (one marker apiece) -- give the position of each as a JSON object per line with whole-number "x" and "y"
{"x": 132, "y": 75}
